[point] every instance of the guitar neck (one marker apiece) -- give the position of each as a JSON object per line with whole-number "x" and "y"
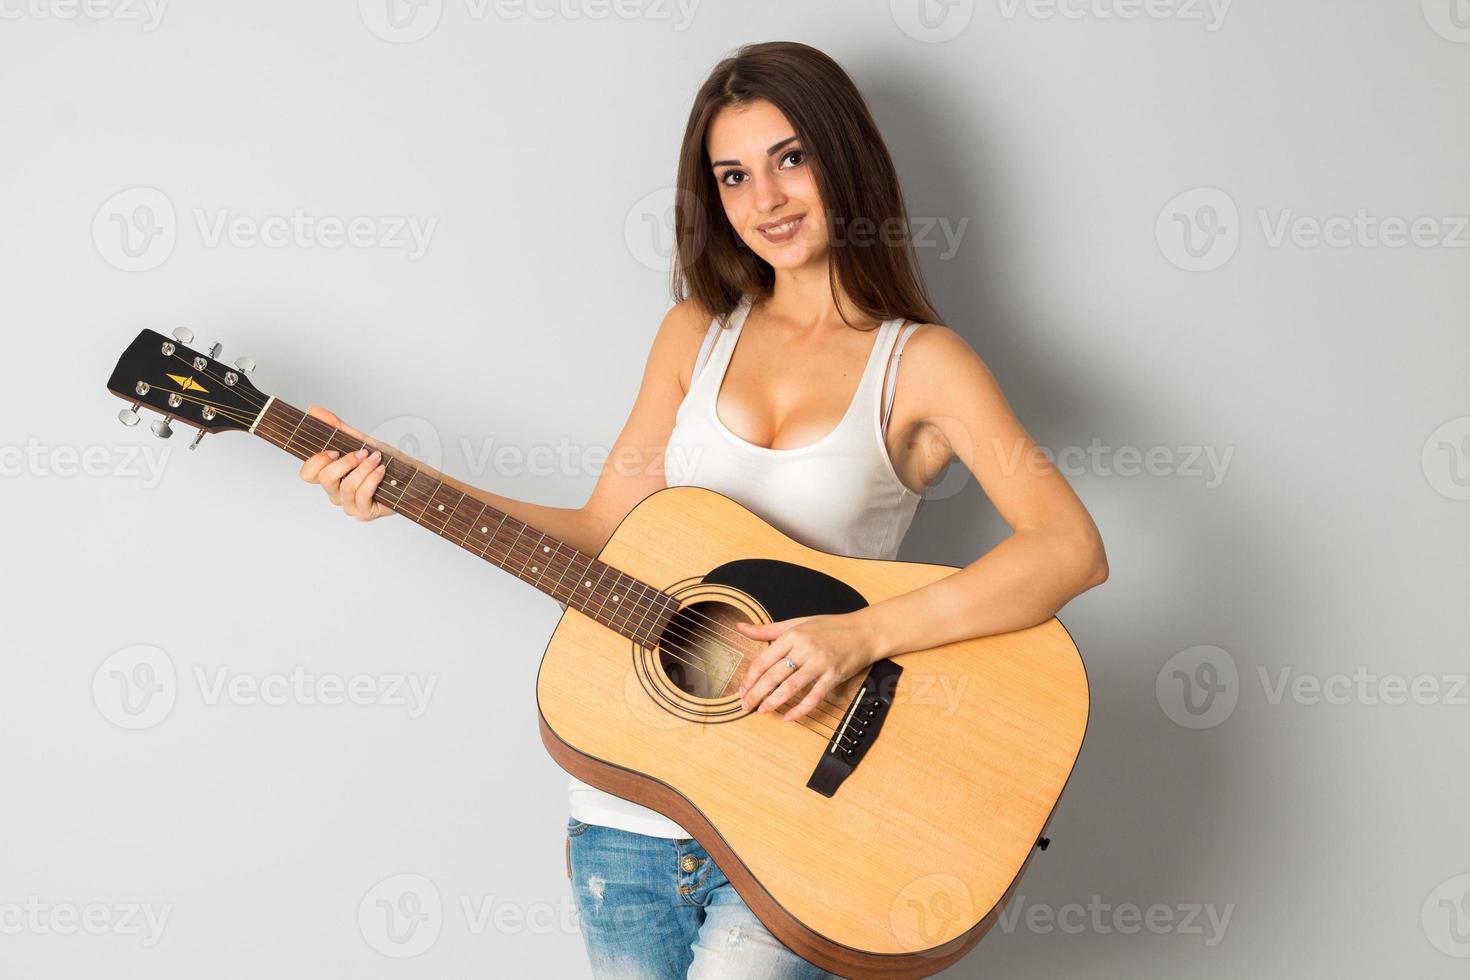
{"x": 618, "y": 601}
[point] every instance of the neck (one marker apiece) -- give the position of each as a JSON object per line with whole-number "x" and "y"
{"x": 618, "y": 601}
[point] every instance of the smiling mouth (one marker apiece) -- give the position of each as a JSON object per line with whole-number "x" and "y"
{"x": 785, "y": 231}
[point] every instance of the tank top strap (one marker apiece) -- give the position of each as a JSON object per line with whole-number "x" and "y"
{"x": 891, "y": 383}
{"x": 713, "y": 349}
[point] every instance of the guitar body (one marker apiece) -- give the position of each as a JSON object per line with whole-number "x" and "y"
{"x": 895, "y": 866}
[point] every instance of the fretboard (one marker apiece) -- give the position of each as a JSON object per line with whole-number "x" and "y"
{"x": 618, "y": 601}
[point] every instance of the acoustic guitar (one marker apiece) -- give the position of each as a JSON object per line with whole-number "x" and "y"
{"x": 877, "y": 836}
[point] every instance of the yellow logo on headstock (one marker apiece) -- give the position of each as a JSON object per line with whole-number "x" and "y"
{"x": 188, "y": 384}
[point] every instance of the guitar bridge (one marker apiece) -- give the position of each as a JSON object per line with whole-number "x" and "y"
{"x": 861, "y": 723}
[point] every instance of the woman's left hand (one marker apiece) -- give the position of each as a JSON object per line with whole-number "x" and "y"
{"x": 827, "y": 650}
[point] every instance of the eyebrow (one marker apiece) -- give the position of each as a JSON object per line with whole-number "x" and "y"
{"x": 774, "y": 147}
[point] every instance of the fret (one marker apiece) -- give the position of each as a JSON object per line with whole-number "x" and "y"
{"x": 610, "y": 596}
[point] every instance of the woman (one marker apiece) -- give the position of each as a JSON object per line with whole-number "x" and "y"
{"x": 795, "y": 276}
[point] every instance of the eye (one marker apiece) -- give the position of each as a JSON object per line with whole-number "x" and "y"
{"x": 798, "y": 153}
{"x": 725, "y": 177}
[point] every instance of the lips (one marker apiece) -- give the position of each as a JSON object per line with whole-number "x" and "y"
{"x": 781, "y": 230}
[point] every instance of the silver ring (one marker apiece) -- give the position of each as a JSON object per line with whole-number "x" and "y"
{"x": 790, "y": 663}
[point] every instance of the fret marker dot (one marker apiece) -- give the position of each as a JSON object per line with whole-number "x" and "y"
{"x": 546, "y": 547}
{"x": 535, "y": 569}
{"x": 484, "y": 530}
{"x": 441, "y": 506}
{"x": 392, "y": 483}
{"x": 616, "y": 598}
{"x": 588, "y": 583}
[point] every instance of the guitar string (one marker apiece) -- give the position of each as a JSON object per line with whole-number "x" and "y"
{"x": 837, "y": 708}
{"x": 834, "y": 710}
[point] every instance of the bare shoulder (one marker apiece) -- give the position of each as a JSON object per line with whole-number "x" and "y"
{"x": 936, "y": 355}
{"x": 679, "y": 339}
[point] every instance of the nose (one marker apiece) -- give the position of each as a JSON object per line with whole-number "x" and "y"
{"x": 768, "y": 193}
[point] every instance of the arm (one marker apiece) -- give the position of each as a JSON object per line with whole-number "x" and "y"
{"x": 634, "y": 468}
{"x": 1053, "y": 554}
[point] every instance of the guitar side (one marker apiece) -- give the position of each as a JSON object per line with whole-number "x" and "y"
{"x": 907, "y": 864}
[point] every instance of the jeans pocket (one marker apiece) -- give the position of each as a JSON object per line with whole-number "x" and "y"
{"x": 576, "y": 827}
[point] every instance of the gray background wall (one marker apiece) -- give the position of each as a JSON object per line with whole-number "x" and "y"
{"x": 1271, "y": 428}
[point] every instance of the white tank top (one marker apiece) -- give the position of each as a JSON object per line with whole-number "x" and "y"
{"x": 839, "y": 494}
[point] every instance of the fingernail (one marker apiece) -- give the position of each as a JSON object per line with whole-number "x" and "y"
{"x": 377, "y": 453}
{"x": 333, "y": 454}
{"x": 362, "y": 454}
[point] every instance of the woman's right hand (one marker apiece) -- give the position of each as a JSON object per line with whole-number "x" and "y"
{"x": 350, "y": 481}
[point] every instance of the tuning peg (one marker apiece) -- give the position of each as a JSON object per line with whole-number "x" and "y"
{"x": 198, "y": 436}
{"x": 214, "y": 350}
{"x": 245, "y": 364}
{"x": 183, "y": 335}
{"x": 162, "y": 429}
{"x": 129, "y": 416}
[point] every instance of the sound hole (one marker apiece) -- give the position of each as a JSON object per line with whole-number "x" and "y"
{"x": 700, "y": 651}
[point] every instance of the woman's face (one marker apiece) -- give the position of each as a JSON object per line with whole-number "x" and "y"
{"x": 767, "y": 185}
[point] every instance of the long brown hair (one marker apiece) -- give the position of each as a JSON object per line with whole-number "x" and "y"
{"x": 854, "y": 174}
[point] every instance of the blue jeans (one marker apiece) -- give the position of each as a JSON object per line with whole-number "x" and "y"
{"x": 644, "y": 917}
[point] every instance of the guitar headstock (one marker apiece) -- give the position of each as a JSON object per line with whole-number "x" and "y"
{"x": 181, "y": 384}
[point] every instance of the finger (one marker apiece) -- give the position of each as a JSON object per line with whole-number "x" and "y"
{"x": 772, "y": 670}
{"x": 365, "y": 491}
{"x": 800, "y": 679}
{"x": 353, "y": 481}
{"x": 331, "y": 475}
{"x": 814, "y": 697}
{"x": 778, "y": 649}
{"x": 313, "y": 465}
